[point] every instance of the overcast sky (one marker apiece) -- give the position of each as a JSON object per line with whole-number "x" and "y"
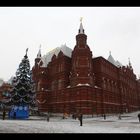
{"x": 115, "y": 29}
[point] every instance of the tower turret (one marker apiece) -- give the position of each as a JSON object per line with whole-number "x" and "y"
{"x": 129, "y": 63}
{"x": 38, "y": 58}
{"x": 81, "y": 38}
{"x": 82, "y": 68}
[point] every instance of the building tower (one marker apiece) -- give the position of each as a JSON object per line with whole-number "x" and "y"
{"x": 82, "y": 68}
{"x": 37, "y": 65}
{"x": 39, "y": 77}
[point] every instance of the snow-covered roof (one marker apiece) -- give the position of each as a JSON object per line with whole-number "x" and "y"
{"x": 112, "y": 60}
{"x": 47, "y": 58}
{"x": 118, "y": 64}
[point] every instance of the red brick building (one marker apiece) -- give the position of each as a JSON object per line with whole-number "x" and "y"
{"x": 74, "y": 81}
{"x": 5, "y": 90}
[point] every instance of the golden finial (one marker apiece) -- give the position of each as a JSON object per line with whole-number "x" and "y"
{"x": 81, "y": 18}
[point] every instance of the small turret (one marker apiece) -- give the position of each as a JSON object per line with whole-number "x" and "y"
{"x": 81, "y": 29}
{"x": 81, "y": 38}
{"x": 38, "y": 58}
{"x": 39, "y": 52}
{"x": 82, "y": 68}
{"x": 129, "y": 63}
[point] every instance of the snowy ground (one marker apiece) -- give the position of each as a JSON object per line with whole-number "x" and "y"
{"x": 128, "y": 124}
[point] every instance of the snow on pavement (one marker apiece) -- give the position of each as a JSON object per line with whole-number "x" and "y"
{"x": 128, "y": 124}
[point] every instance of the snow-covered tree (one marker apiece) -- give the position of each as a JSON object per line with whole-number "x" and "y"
{"x": 23, "y": 93}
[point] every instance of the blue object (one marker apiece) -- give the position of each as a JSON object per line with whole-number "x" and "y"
{"x": 19, "y": 112}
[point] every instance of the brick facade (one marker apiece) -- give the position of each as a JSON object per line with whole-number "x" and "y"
{"x": 5, "y": 90}
{"x": 82, "y": 83}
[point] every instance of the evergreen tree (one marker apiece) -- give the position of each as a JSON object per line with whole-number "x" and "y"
{"x": 23, "y": 93}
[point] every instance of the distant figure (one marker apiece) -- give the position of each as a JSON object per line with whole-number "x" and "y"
{"x": 48, "y": 117}
{"x": 104, "y": 117}
{"x": 119, "y": 117}
{"x": 4, "y": 114}
{"x": 63, "y": 116}
{"x": 14, "y": 114}
{"x": 74, "y": 116}
{"x": 81, "y": 119}
{"x": 139, "y": 117}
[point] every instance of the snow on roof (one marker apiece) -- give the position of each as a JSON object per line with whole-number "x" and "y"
{"x": 111, "y": 60}
{"x": 47, "y": 58}
{"x": 116, "y": 63}
{"x": 83, "y": 84}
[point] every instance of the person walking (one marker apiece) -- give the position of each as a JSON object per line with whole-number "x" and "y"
{"x": 81, "y": 119}
{"x": 104, "y": 117}
{"x": 4, "y": 114}
{"x": 14, "y": 114}
{"x": 74, "y": 116}
{"x": 48, "y": 117}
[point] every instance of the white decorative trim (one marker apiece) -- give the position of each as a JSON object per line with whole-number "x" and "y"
{"x": 85, "y": 101}
{"x": 86, "y": 84}
{"x": 41, "y": 102}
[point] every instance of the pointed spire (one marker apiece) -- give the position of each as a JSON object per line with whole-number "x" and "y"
{"x": 111, "y": 59}
{"x": 129, "y": 60}
{"x": 39, "y": 52}
{"x": 129, "y": 63}
{"x": 81, "y": 29}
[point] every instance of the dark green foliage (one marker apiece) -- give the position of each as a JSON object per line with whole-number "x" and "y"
{"x": 23, "y": 93}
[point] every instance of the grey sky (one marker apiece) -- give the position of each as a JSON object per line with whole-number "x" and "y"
{"x": 115, "y": 29}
